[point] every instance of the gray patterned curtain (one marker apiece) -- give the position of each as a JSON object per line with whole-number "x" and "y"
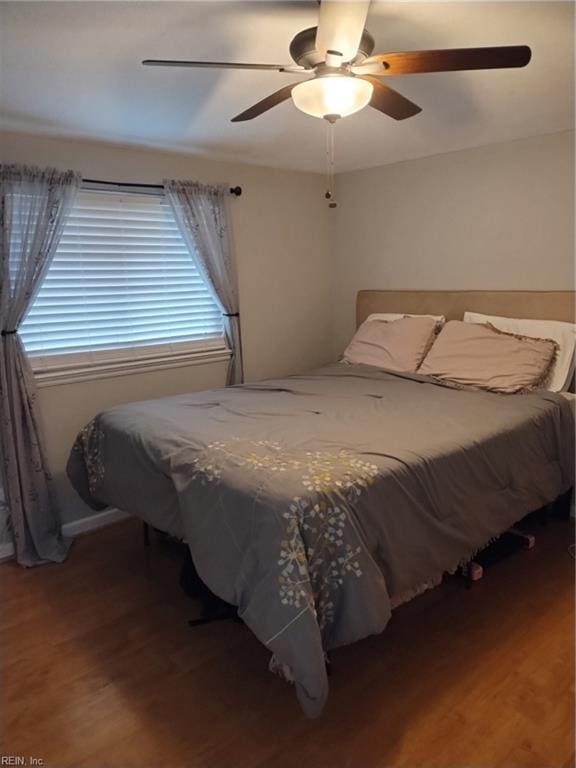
{"x": 201, "y": 212}
{"x": 34, "y": 205}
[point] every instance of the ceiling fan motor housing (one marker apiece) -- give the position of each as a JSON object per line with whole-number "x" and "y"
{"x": 303, "y": 48}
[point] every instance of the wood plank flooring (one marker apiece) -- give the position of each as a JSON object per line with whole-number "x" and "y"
{"x": 99, "y": 669}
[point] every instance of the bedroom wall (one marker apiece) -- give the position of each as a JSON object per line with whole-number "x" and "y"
{"x": 493, "y": 217}
{"x": 280, "y": 228}
{"x": 499, "y": 217}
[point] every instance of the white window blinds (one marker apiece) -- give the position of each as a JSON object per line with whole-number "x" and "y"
{"x": 121, "y": 277}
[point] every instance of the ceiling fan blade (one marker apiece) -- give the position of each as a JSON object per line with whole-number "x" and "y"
{"x": 391, "y": 102}
{"x": 340, "y": 26}
{"x": 263, "y": 106}
{"x": 450, "y": 60}
{"x": 222, "y": 65}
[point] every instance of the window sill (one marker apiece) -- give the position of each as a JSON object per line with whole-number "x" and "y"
{"x": 49, "y": 374}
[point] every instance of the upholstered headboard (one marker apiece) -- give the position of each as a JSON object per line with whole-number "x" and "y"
{"x": 538, "y": 305}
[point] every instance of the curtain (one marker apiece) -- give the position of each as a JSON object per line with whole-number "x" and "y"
{"x": 34, "y": 204}
{"x": 201, "y": 212}
{"x": 5, "y": 531}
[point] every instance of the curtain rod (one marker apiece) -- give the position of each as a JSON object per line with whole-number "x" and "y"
{"x": 236, "y": 191}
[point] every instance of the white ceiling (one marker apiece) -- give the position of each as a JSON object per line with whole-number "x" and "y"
{"x": 74, "y": 69}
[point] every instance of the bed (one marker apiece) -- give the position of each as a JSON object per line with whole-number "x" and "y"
{"x": 317, "y": 503}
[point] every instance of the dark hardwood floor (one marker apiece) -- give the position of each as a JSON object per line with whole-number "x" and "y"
{"x": 99, "y": 668}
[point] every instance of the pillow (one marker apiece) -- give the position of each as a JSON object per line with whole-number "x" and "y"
{"x": 440, "y": 319}
{"x": 481, "y": 356}
{"x": 399, "y": 345}
{"x": 564, "y": 334}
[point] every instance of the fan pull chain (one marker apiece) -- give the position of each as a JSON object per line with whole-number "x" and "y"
{"x": 330, "y": 160}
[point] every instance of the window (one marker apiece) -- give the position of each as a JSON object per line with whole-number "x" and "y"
{"x": 121, "y": 279}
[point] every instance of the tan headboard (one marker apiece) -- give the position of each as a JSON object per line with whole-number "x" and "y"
{"x": 539, "y": 305}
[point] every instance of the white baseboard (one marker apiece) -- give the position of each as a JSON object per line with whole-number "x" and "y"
{"x": 6, "y": 551}
{"x": 78, "y": 527}
{"x": 92, "y": 522}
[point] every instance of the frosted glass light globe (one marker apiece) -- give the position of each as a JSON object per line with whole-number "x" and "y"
{"x": 332, "y": 95}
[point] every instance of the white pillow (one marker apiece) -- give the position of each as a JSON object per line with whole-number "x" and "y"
{"x": 389, "y": 316}
{"x": 564, "y": 334}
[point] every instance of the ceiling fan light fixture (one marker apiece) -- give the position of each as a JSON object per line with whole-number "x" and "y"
{"x": 332, "y": 95}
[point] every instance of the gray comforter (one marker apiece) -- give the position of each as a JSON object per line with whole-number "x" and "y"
{"x": 318, "y": 502}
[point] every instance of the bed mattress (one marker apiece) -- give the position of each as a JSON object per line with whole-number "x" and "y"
{"x": 317, "y": 503}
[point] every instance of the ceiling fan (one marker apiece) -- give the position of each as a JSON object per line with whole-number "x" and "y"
{"x": 342, "y": 75}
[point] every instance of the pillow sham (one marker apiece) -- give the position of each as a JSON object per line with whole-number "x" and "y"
{"x": 440, "y": 319}
{"x": 564, "y": 334}
{"x": 483, "y": 357}
{"x": 399, "y": 345}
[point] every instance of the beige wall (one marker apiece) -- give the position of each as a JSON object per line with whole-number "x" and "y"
{"x": 66, "y": 408}
{"x": 500, "y": 216}
{"x": 280, "y": 227}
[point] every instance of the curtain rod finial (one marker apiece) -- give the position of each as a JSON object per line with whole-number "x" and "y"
{"x": 236, "y": 191}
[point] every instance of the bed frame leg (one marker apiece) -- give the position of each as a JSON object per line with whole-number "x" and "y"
{"x": 527, "y": 540}
{"x": 146, "y": 534}
{"x": 472, "y": 571}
